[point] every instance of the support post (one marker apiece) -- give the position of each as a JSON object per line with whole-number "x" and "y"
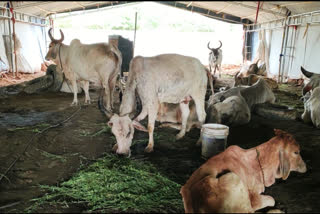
{"x": 15, "y": 73}
{"x": 135, "y": 31}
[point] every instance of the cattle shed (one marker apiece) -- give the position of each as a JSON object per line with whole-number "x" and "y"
{"x": 61, "y": 158}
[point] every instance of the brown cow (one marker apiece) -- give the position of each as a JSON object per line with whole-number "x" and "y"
{"x": 233, "y": 180}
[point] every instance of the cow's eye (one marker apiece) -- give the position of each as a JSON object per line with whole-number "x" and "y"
{"x": 296, "y": 153}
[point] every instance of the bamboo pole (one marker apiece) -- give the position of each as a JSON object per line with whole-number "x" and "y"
{"x": 14, "y": 40}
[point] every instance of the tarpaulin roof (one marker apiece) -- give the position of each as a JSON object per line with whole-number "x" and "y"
{"x": 232, "y": 11}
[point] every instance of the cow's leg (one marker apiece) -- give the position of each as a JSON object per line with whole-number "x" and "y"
{"x": 152, "y": 116}
{"x": 75, "y": 92}
{"x": 185, "y": 111}
{"x": 201, "y": 113}
{"x": 86, "y": 92}
{"x": 107, "y": 97}
{"x": 261, "y": 201}
{"x": 210, "y": 68}
{"x": 215, "y": 69}
{"x": 142, "y": 114}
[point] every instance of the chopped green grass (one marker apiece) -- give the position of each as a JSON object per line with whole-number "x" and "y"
{"x": 115, "y": 184}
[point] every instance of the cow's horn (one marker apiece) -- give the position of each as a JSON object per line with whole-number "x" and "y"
{"x": 50, "y": 35}
{"x": 209, "y": 47}
{"x": 306, "y": 73}
{"x": 220, "y": 45}
{"x": 62, "y": 36}
{"x": 55, "y": 40}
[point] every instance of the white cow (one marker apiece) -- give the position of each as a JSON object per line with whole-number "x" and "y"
{"x": 260, "y": 92}
{"x": 215, "y": 58}
{"x": 99, "y": 63}
{"x": 312, "y": 108}
{"x": 312, "y": 104}
{"x": 313, "y": 80}
{"x": 166, "y": 78}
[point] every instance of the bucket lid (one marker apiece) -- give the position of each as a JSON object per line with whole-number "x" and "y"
{"x": 215, "y": 129}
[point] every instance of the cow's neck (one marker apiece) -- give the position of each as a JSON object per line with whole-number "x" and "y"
{"x": 269, "y": 160}
{"x": 62, "y": 56}
{"x": 128, "y": 102}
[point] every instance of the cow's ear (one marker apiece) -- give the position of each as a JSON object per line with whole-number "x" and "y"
{"x": 284, "y": 165}
{"x": 279, "y": 132}
{"x": 139, "y": 126}
{"x": 110, "y": 123}
{"x": 306, "y": 88}
{"x": 306, "y": 73}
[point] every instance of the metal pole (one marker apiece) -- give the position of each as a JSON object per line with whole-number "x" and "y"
{"x": 281, "y": 55}
{"x": 135, "y": 31}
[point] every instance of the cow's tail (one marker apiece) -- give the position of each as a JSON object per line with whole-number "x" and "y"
{"x": 101, "y": 105}
{"x": 210, "y": 78}
{"x": 117, "y": 52}
{"x": 236, "y": 75}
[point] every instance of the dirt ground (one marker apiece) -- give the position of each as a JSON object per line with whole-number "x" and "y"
{"x": 9, "y": 79}
{"x": 56, "y": 154}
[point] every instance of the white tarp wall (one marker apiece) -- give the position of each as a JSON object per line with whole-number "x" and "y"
{"x": 32, "y": 50}
{"x": 301, "y": 45}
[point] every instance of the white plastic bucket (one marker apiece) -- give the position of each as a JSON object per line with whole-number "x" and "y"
{"x": 214, "y": 139}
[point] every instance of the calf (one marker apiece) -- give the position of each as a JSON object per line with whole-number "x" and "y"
{"x": 166, "y": 78}
{"x": 233, "y": 180}
{"x": 215, "y": 58}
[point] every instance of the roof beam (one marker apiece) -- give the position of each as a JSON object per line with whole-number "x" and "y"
{"x": 206, "y": 12}
{"x": 77, "y": 3}
{"x": 44, "y": 10}
{"x": 224, "y": 8}
{"x": 263, "y": 10}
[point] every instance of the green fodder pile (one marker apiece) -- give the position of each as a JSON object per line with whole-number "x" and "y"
{"x": 113, "y": 184}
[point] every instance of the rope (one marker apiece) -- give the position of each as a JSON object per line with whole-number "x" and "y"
{"x": 258, "y": 154}
{"x": 60, "y": 57}
{"x": 29, "y": 143}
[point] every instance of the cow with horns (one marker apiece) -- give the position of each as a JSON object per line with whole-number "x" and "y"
{"x": 215, "y": 58}
{"x": 99, "y": 63}
{"x": 311, "y": 93}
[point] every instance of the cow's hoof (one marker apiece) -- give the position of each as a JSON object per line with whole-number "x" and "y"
{"x": 275, "y": 211}
{"x": 148, "y": 149}
{"x": 115, "y": 147}
{"x": 179, "y": 136}
{"x": 198, "y": 143}
{"x": 87, "y": 102}
{"x": 74, "y": 104}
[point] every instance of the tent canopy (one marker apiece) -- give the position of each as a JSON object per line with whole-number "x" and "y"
{"x": 232, "y": 11}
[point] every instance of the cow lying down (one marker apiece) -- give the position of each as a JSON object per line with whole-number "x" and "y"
{"x": 233, "y": 180}
{"x": 231, "y": 107}
{"x": 232, "y": 111}
{"x": 253, "y": 78}
{"x": 312, "y": 108}
{"x": 259, "y": 92}
{"x": 312, "y": 104}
